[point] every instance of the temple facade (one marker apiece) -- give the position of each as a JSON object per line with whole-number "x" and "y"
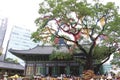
{"x": 37, "y": 62}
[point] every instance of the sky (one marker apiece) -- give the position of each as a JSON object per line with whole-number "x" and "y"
{"x": 20, "y": 12}
{"x": 24, "y": 12}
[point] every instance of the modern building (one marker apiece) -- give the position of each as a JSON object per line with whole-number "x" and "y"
{"x": 38, "y": 62}
{"x": 10, "y": 68}
{"x": 19, "y": 39}
{"x": 3, "y": 28}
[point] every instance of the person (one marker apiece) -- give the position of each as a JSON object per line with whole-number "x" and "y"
{"x": 61, "y": 77}
{"x": 109, "y": 77}
{"x": 48, "y": 77}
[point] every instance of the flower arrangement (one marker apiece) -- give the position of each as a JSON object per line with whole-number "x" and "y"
{"x": 88, "y": 74}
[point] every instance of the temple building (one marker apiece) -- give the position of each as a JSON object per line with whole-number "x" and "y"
{"x": 37, "y": 62}
{"x": 11, "y": 69}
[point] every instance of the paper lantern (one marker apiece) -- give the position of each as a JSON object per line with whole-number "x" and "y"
{"x": 56, "y": 40}
{"x": 102, "y": 21}
{"x": 77, "y": 36}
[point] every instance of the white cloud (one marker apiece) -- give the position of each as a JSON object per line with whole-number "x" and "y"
{"x": 21, "y": 12}
{"x": 24, "y": 12}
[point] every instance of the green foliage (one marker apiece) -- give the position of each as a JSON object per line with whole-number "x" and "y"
{"x": 11, "y": 60}
{"x": 0, "y": 53}
{"x": 101, "y": 52}
{"x": 92, "y": 14}
{"x": 116, "y": 59}
{"x": 36, "y": 36}
{"x": 60, "y": 56}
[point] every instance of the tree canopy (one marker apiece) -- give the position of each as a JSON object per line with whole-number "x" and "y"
{"x": 60, "y": 56}
{"x": 11, "y": 60}
{"x": 91, "y": 28}
{"x": 116, "y": 59}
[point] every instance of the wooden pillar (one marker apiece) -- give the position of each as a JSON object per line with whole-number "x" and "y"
{"x": 34, "y": 68}
{"x": 67, "y": 70}
{"x": 44, "y": 68}
{"x": 80, "y": 69}
{"x": 25, "y": 68}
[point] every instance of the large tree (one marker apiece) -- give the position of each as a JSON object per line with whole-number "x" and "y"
{"x": 91, "y": 29}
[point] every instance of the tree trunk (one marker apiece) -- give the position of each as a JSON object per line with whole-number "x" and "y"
{"x": 89, "y": 64}
{"x": 97, "y": 69}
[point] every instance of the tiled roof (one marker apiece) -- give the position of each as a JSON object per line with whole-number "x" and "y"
{"x": 39, "y": 50}
{"x": 7, "y": 65}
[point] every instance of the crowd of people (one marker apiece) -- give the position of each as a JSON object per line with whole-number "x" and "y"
{"x": 87, "y": 75}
